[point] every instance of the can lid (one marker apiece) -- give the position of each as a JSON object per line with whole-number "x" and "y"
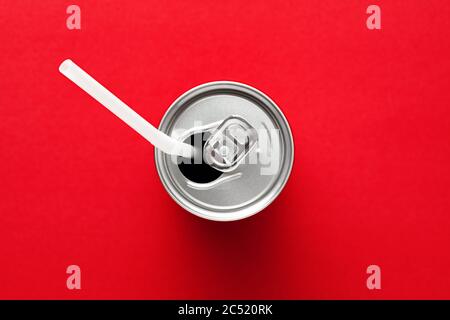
{"x": 245, "y": 131}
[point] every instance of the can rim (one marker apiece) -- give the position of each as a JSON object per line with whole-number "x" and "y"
{"x": 243, "y": 213}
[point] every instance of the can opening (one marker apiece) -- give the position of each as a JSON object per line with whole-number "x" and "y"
{"x": 198, "y": 172}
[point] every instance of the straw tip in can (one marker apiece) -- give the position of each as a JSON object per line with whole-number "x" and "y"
{"x": 65, "y": 65}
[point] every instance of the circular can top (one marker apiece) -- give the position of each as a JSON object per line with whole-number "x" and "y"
{"x": 260, "y": 175}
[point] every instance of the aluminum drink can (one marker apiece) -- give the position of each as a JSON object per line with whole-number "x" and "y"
{"x": 246, "y": 157}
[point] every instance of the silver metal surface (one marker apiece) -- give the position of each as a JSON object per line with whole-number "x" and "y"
{"x": 228, "y": 145}
{"x": 259, "y": 175}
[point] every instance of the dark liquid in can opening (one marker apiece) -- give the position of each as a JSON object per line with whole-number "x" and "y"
{"x": 198, "y": 172}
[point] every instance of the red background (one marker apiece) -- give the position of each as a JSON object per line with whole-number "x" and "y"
{"x": 369, "y": 111}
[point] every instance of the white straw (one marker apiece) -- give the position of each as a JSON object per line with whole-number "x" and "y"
{"x": 159, "y": 139}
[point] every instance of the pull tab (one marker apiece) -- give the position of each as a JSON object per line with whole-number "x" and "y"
{"x": 229, "y": 144}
